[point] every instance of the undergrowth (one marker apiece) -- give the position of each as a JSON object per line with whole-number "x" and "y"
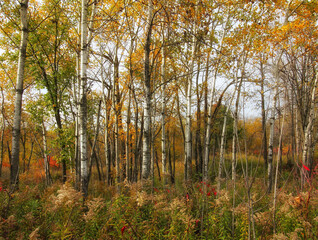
{"x": 192, "y": 211}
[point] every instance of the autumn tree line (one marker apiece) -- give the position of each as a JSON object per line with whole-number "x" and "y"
{"x": 136, "y": 87}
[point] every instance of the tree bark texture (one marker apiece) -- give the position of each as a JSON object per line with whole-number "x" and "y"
{"x": 146, "y": 160}
{"x": 14, "y": 174}
{"x": 83, "y": 100}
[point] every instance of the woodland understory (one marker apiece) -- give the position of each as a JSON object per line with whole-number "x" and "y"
{"x": 158, "y": 119}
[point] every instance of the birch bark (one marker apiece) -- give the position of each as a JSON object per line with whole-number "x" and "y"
{"x": 147, "y": 105}
{"x": 14, "y": 174}
{"x": 307, "y": 134}
{"x": 163, "y": 113}
{"x": 83, "y": 99}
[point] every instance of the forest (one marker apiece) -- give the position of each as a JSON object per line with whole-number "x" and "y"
{"x": 158, "y": 119}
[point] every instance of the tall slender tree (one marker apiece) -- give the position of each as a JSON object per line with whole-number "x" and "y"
{"x": 14, "y": 175}
{"x": 146, "y": 160}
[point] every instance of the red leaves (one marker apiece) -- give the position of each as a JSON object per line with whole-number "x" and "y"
{"x": 209, "y": 193}
{"x": 187, "y": 197}
{"x": 123, "y": 230}
{"x": 306, "y": 167}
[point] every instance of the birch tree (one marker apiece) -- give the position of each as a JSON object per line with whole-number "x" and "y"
{"x": 14, "y": 174}
{"x": 86, "y": 37}
{"x": 163, "y": 110}
{"x": 308, "y": 134}
{"x": 188, "y": 133}
{"x": 210, "y": 108}
{"x": 3, "y": 126}
{"x": 147, "y": 104}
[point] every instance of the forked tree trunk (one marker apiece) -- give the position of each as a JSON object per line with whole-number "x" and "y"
{"x": 279, "y": 154}
{"x": 93, "y": 154}
{"x": 14, "y": 174}
{"x": 222, "y": 147}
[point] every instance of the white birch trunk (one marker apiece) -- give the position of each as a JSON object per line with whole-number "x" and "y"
{"x": 276, "y": 173}
{"x": 307, "y": 135}
{"x": 14, "y": 174}
{"x": 77, "y": 87}
{"x": 147, "y": 104}
{"x": 117, "y": 113}
{"x": 235, "y": 121}
{"x": 271, "y": 142}
{"x": 222, "y": 147}
{"x": 3, "y": 126}
{"x": 163, "y": 109}
{"x": 272, "y": 118}
{"x": 48, "y": 179}
{"x": 83, "y": 100}
{"x": 188, "y": 133}
{"x": 210, "y": 111}
{"x": 128, "y": 167}
{"x": 86, "y": 37}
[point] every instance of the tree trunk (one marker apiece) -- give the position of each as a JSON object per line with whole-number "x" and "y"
{"x": 163, "y": 113}
{"x": 279, "y": 154}
{"x": 93, "y": 154}
{"x": 128, "y": 166}
{"x": 48, "y": 179}
{"x": 86, "y": 37}
{"x": 263, "y": 114}
{"x": 2, "y": 132}
{"x": 235, "y": 130}
{"x": 83, "y": 100}
{"x": 77, "y": 86}
{"x": 146, "y": 160}
{"x": 293, "y": 139}
{"x": 106, "y": 134}
{"x": 14, "y": 174}
{"x": 29, "y": 160}
{"x": 208, "y": 123}
{"x": 198, "y": 145}
{"x": 188, "y": 133}
{"x": 116, "y": 106}
{"x": 136, "y": 150}
{"x": 271, "y": 144}
{"x": 153, "y": 137}
{"x": 308, "y": 134}
{"x": 222, "y": 147}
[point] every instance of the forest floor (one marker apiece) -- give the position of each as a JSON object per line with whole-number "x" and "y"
{"x": 157, "y": 211}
